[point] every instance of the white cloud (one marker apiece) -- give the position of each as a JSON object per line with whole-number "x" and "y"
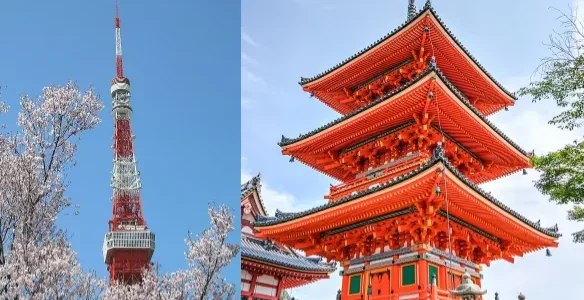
{"x": 254, "y": 78}
{"x": 274, "y": 199}
{"x": 244, "y": 101}
{"x": 248, "y": 59}
{"x": 250, "y": 85}
{"x": 311, "y": 4}
{"x": 247, "y": 39}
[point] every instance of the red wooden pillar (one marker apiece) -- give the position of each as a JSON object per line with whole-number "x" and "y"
{"x": 345, "y": 286}
{"x": 253, "y": 284}
{"x": 365, "y": 277}
{"x": 422, "y": 274}
{"x": 280, "y": 287}
{"x": 395, "y": 279}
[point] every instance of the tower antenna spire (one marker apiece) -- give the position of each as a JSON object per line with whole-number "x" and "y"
{"x": 119, "y": 65}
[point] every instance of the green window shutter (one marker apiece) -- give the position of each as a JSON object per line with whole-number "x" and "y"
{"x": 432, "y": 270}
{"x": 355, "y": 285}
{"x": 408, "y": 275}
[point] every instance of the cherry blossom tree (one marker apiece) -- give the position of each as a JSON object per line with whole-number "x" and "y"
{"x": 36, "y": 260}
{"x": 206, "y": 256}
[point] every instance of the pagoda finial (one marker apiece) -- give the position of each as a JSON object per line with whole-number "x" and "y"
{"x": 411, "y": 9}
{"x": 428, "y": 4}
{"x": 119, "y": 67}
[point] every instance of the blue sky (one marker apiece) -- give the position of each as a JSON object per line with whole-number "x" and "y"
{"x": 284, "y": 40}
{"x": 182, "y": 58}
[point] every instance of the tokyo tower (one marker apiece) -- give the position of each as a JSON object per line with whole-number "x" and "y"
{"x": 128, "y": 245}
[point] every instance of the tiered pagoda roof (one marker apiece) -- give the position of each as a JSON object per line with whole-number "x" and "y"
{"x": 336, "y": 87}
{"x": 266, "y": 257}
{"x": 460, "y": 121}
{"x": 469, "y": 207}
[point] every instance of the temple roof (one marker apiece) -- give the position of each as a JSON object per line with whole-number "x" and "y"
{"x": 439, "y": 156}
{"x": 250, "y": 186}
{"x": 254, "y": 184}
{"x": 425, "y": 10}
{"x": 271, "y": 253}
{"x": 431, "y": 68}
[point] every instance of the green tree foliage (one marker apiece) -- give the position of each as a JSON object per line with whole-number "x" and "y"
{"x": 561, "y": 79}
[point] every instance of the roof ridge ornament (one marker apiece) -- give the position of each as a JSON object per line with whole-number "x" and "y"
{"x": 432, "y": 62}
{"x": 411, "y": 9}
{"x": 438, "y": 151}
{"x": 552, "y": 228}
{"x": 428, "y": 4}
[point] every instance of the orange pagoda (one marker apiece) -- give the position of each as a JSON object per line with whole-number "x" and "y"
{"x": 410, "y": 149}
{"x": 269, "y": 268}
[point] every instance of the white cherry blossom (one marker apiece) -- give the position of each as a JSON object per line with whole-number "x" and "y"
{"x": 36, "y": 259}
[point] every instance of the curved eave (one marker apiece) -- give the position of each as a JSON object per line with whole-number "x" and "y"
{"x": 308, "y": 83}
{"x": 253, "y": 249}
{"x": 255, "y": 191}
{"x": 337, "y": 173}
{"x": 279, "y": 265}
{"x": 437, "y": 158}
{"x": 290, "y": 146}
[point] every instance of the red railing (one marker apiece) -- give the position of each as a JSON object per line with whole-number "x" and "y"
{"x": 381, "y": 174}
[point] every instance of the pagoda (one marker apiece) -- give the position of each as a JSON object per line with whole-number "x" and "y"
{"x": 410, "y": 149}
{"x": 268, "y": 269}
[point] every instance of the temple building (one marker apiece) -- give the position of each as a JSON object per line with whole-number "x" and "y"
{"x": 268, "y": 268}
{"x": 408, "y": 220}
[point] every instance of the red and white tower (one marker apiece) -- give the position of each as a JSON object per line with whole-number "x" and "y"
{"x": 129, "y": 245}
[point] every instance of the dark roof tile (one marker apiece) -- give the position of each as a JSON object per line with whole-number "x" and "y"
{"x": 427, "y": 7}
{"x": 266, "y": 251}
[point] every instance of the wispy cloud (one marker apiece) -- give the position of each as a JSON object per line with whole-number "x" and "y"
{"x": 252, "y": 78}
{"x": 244, "y": 103}
{"x": 248, "y": 59}
{"x": 247, "y": 39}
{"x": 315, "y": 4}
{"x": 255, "y": 78}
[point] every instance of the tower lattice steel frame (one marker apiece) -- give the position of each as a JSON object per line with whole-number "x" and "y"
{"x": 128, "y": 246}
